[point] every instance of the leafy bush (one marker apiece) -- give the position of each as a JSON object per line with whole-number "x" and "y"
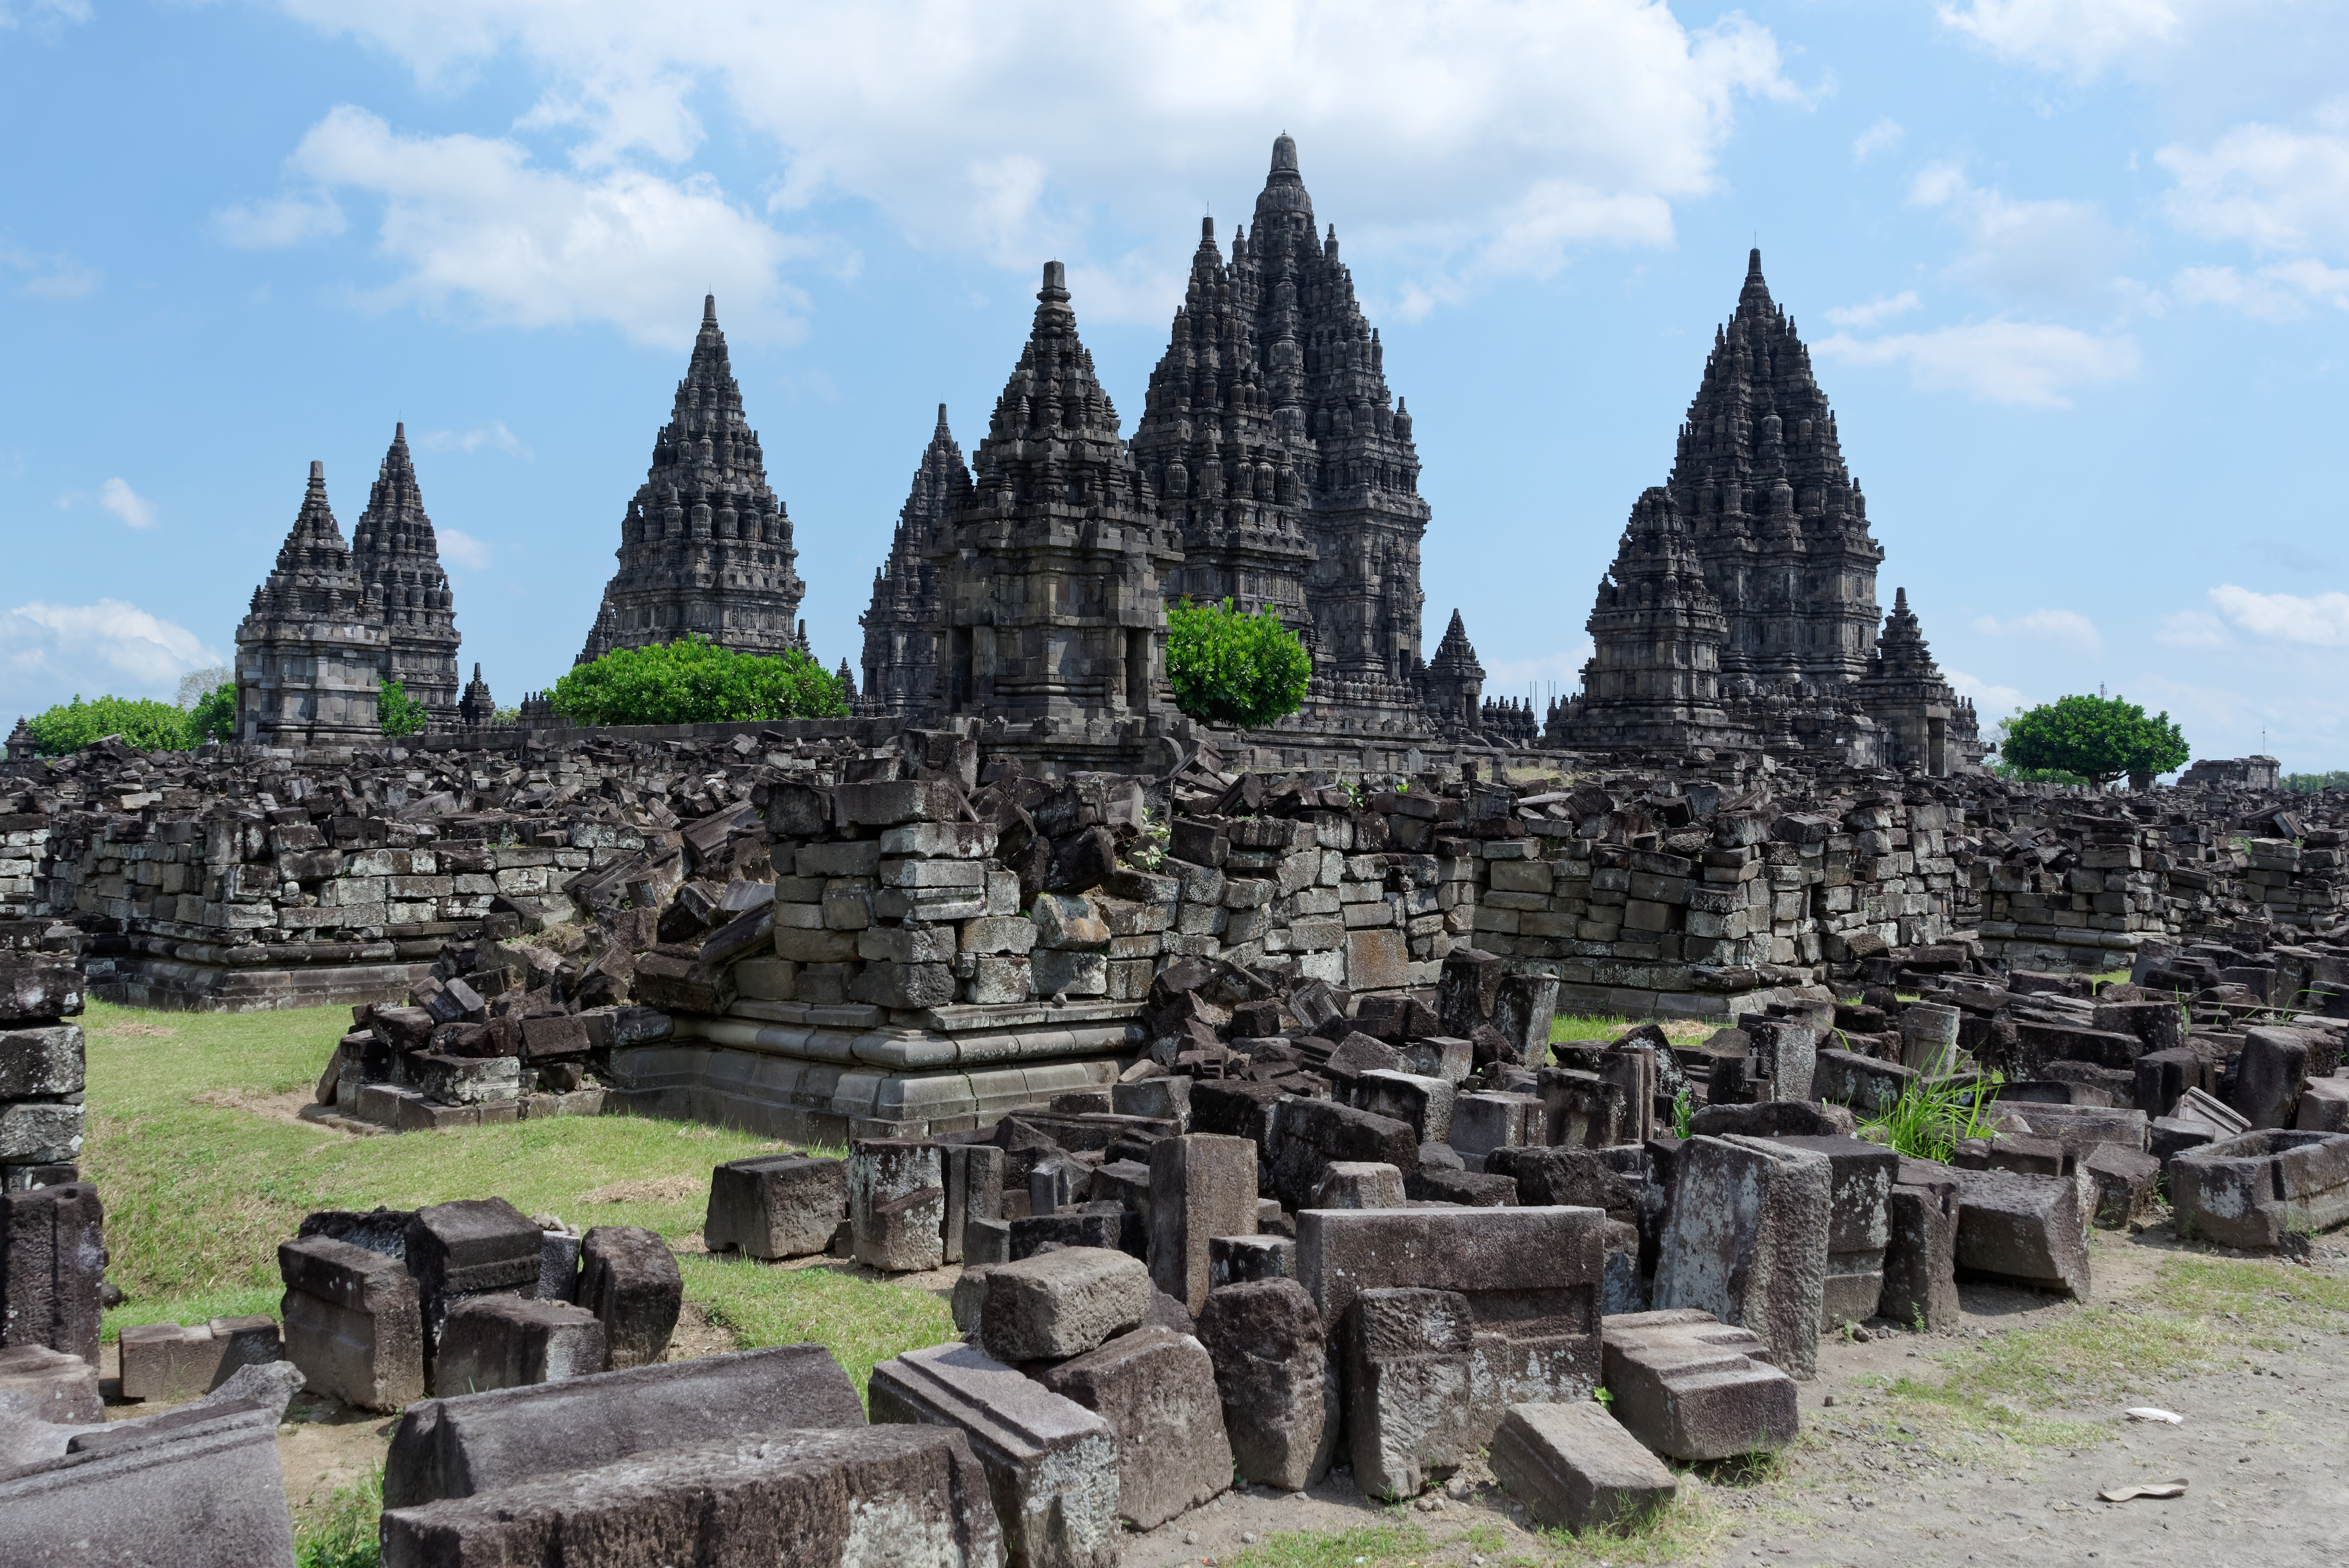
{"x": 1247, "y": 671}
{"x": 2098, "y": 738}
{"x": 694, "y": 681}
{"x": 150, "y": 726}
{"x": 213, "y": 715}
{"x": 400, "y": 714}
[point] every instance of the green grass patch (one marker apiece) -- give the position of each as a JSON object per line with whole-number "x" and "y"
{"x": 2259, "y": 1296}
{"x": 342, "y": 1532}
{"x": 1931, "y": 1115}
{"x": 862, "y": 1321}
{"x": 1397, "y": 1543}
{"x": 1586, "y": 1026}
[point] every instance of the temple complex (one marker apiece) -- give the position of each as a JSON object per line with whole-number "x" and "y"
{"x": 398, "y": 564}
{"x": 706, "y": 546}
{"x": 310, "y": 653}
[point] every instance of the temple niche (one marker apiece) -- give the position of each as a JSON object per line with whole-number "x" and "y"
{"x": 1741, "y": 609}
{"x": 705, "y": 546}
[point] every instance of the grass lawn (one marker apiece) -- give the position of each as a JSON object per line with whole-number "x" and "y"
{"x": 204, "y": 1170}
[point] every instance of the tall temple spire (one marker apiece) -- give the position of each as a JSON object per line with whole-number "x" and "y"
{"x": 706, "y": 546}
{"x": 900, "y": 627}
{"x": 309, "y": 652}
{"x": 398, "y": 558}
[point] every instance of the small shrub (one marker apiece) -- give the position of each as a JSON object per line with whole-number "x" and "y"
{"x": 694, "y": 681}
{"x": 147, "y": 725}
{"x": 1930, "y": 1118}
{"x": 400, "y": 714}
{"x": 1247, "y": 671}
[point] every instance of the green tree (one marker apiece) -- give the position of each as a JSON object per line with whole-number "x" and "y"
{"x": 2098, "y": 738}
{"x": 1247, "y": 671}
{"x": 150, "y": 726}
{"x": 400, "y": 714}
{"x": 693, "y": 681}
{"x": 2310, "y": 783}
{"x": 214, "y": 716}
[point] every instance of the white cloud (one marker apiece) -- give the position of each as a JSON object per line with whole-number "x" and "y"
{"x": 1876, "y": 311}
{"x": 462, "y": 549}
{"x": 275, "y": 224}
{"x": 2281, "y": 291}
{"x": 2081, "y": 38}
{"x": 469, "y": 222}
{"x": 1882, "y": 137}
{"x": 2192, "y": 629}
{"x": 125, "y": 503}
{"x": 2028, "y": 362}
{"x": 1438, "y": 133}
{"x": 493, "y": 435}
{"x": 105, "y": 647}
{"x": 1990, "y": 701}
{"x": 2054, "y": 250}
{"x": 17, "y": 13}
{"x": 2315, "y": 621}
{"x": 2277, "y": 191}
{"x": 53, "y": 276}
{"x": 2047, "y": 625}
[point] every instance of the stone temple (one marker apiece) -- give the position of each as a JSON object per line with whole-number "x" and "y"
{"x": 706, "y": 546}
{"x": 311, "y": 652}
{"x": 398, "y": 563}
{"x": 1741, "y": 610}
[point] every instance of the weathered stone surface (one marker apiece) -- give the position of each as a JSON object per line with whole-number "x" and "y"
{"x": 1407, "y": 1387}
{"x": 510, "y": 1341}
{"x": 897, "y": 1204}
{"x": 1920, "y": 1253}
{"x": 1575, "y": 1468}
{"x": 205, "y": 1495}
{"x": 37, "y": 1061}
{"x": 2031, "y": 1230}
{"x": 899, "y": 1495}
{"x": 1860, "y": 1186}
{"x": 1061, "y": 1302}
{"x": 628, "y": 1279}
{"x": 39, "y": 1384}
{"x": 1276, "y": 1378}
{"x": 1051, "y": 1464}
{"x": 1747, "y": 1240}
{"x": 470, "y": 1247}
{"x": 1359, "y": 1184}
{"x": 52, "y": 1263}
{"x": 1424, "y": 1103}
{"x": 461, "y": 1445}
{"x": 1240, "y": 1260}
{"x": 1202, "y": 1186}
{"x": 2252, "y": 1189}
{"x": 1308, "y": 1135}
{"x": 1156, "y": 1388}
{"x": 2128, "y": 1183}
{"x": 353, "y": 1323}
{"x": 775, "y": 1205}
{"x": 1531, "y": 1279}
{"x": 36, "y": 988}
{"x": 171, "y": 1364}
{"x": 1695, "y": 1388}
{"x": 2268, "y": 1076}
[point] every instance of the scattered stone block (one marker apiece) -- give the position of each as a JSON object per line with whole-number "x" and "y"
{"x": 511, "y": 1342}
{"x": 1276, "y": 1380}
{"x": 52, "y": 1263}
{"x": 1062, "y": 1302}
{"x": 208, "y": 1494}
{"x": 1408, "y": 1388}
{"x": 172, "y": 1365}
{"x": 1242, "y": 1260}
{"x": 909, "y": 1497}
{"x": 1747, "y": 1240}
{"x": 461, "y": 1445}
{"x": 897, "y": 1204}
{"x": 1694, "y": 1388}
{"x": 628, "y": 1279}
{"x": 973, "y": 1182}
{"x": 354, "y": 1323}
{"x": 2128, "y": 1183}
{"x": 558, "y": 1266}
{"x": 471, "y": 1247}
{"x": 2268, "y": 1076}
{"x": 2028, "y": 1229}
{"x": 1575, "y": 1468}
{"x": 1860, "y": 1187}
{"x": 1156, "y": 1389}
{"x": 1483, "y": 1122}
{"x": 777, "y": 1205}
{"x": 1202, "y": 1186}
{"x": 2324, "y": 1106}
{"x": 1359, "y": 1184}
{"x": 39, "y": 1384}
{"x": 1051, "y": 1464}
{"x": 1308, "y": 1135}
{"x": 2253, "y": 1190}
{"x": 1920, "y": 1253}
{"x": 1424, "y": 1103}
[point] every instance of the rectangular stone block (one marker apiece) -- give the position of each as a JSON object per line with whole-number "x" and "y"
{"x": 1062, "y": 1304}
{"x": 1575, "y": 1468}
{"x": 1407, "y": 1394}
{"x": 2030, "y": 1230}
{"x": 1275, "y": 1377}
{"x": 1423, "y": 1103}
{"x": 1746, "y": 1241}
{"x": 628, "y": 1279}
{"x": 1860, "y": 1187}
{"x": 354, "y": 1324}
{"x": 1920, "y": 1253}
{"x": 39, "y": 1384}
{"x": 1156, "y": 1389}
{"x": 470, "y": 1247}
{"x": 775, "y": 1206}
{"x": 52, "y": 1263}
{"x": 209, "y": 1494}
{"x": 903, "y": 1496}
{"x": 1694, "y": 1388}
{"x": 1050, "y": 1463}
{"x": 171, "y": 1364}
{"x": 461, "y": 1445}
{"x": 1202, "y": 1186}
{"x": 897, "y": 1204}
{"x": 1306, "y": 1135}
{"x": 41, "y": 1059}
{"x": 511, "y": 1342}
{"x": 2253, "y": 1190}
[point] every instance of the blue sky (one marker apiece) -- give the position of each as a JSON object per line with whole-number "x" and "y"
{"x": 2075, "y": 274}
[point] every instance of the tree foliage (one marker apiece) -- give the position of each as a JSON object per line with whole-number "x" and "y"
{"x": 2098, "y": 738}
{"x": 1247, "y": 671}
{"x": 2310, "y": 783}
{"x": 147, "y": 725}
{"x": 399, "y": 713}
{"x": 693, "y": 681}
{"x": 212, "y": 716}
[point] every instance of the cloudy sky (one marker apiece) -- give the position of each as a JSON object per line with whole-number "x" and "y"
{"x": 2074, "y": 272}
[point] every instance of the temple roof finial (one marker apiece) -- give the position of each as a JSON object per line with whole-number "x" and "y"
{"x": 710, "y": 310}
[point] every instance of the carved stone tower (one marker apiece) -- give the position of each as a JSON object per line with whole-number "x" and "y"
{"x": 309, "y": 652}
{"x": 398, "y": 564}
{"x": 477, "y": 709}
{"x": 1932, "y": 729}
{"x": 1049, "y": 573}
{"x": 1452, "y": 685}
{"x": 1653, "y": 679}
{"x": 900, "y": 629}
{"x": 706, "y": 546}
